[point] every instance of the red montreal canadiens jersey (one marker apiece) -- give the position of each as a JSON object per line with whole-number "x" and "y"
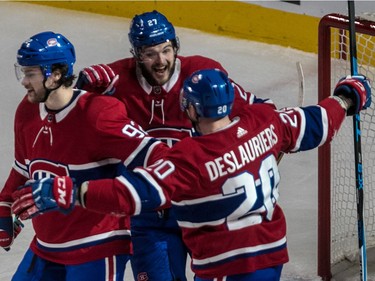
{"x": 224, "y": 188}
{"x": 157, "y": 109}
{"x": 87, "y": 139}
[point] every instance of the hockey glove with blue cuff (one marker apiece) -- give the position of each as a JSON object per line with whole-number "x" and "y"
{"x": 98, "y": 78}
{"x": 45, "y": 195}
{"x": 9, "y": 229}
{"x": 356, "y": 88}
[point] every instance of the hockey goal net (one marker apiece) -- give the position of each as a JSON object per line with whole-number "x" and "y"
{"x": 337, "y": 209}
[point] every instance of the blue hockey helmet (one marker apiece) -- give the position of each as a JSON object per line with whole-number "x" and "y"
{"x": 45, "y": 49}
{"x": 210, "y": 91}
{"x": 150, "y": 29}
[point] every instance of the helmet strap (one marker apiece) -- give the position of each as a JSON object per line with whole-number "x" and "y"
{"x": 176, "y": 44}
{"x": 48, "y": 91}
{"x": 197, "y": 130}
{"x": 194, "y": 120}
{"x": 135, "y": 54}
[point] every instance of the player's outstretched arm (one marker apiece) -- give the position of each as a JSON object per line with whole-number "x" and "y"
{"x": 128, "y": 194}
{"x": 354, "y": 92}
{"x": 98, "y": 78}
{"x": 45, "y": 195}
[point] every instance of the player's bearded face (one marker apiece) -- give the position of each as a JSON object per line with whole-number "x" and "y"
{"x": 32, "y": 79}
{"x": 157, "y": 63}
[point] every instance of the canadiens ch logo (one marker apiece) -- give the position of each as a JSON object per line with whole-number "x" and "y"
{"x": 195, "y": 79}
{"x": 41, "y": 168}
{"x": 142, "y": 276}
{"x": 51, "y": 42}
{"x": 170, "y": 135}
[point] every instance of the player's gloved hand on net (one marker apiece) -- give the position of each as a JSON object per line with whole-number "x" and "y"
{"x": 45, "y": 195}
{"x": 99, "y": 78}
{"x": 356, "y": 88}
{"x": 9, "y": 228}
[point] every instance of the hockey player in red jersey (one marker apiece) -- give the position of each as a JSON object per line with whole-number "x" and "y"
{"x": 223, "y": 184}
{"x": 149, "y": 84}
{"x": 64, "y": 132}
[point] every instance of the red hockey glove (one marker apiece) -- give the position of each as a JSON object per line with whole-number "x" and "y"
{"x": 45, "y": 195}
{"x": 9, "y": 229}
{"x": 358, "y": 89}
{"x": 98, "y": 78}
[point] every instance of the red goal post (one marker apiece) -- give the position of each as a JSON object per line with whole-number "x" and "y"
{"x": 337, "y": 213}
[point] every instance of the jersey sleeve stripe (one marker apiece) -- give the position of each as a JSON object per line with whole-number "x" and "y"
{"x": 134, "y": 194}
{"x": 20, "y": 169}
{"x": 302, "y": 130}
{"x": 154, "y": 185}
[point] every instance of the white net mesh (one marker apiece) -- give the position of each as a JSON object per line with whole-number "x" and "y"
{"x": 344, "y": 234}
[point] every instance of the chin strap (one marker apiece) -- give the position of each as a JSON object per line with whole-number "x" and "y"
{"x": 48, "y": 91}
{"x": 195, "y": 124}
